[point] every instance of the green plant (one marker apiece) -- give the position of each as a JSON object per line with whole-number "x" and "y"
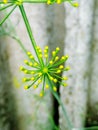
{"x": 44, "y": 71}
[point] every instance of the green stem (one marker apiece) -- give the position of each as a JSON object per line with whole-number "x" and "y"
{"x": 18, "y": 41}
{"x": 61, "y": 104}
{"x": 2, "y": 8}
{"x": 7, "y": 16}
{"x": 63, "y": 109}
{"x": 29, "y": 30}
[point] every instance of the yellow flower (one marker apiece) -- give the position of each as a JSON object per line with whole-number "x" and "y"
{"x": 76, "y": 4}
{"x": 41, "y": 94}
{"x": 54, "y": 88}
{"x": 44, "y": 72}
{"x": 5, "y": 1}
{"x": 59, "y": 1}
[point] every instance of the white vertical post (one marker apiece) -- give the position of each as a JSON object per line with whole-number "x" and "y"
{"x": 78, "y": 23}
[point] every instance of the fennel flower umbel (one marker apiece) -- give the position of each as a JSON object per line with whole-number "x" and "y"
{"x": 45, "y": 70}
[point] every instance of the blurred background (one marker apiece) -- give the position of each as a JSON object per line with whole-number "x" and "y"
{"x": 75, "y": 31}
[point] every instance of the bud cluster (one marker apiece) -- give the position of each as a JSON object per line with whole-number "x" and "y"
{"x": 41, "y": 72}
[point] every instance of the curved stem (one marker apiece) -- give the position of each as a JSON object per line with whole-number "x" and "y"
{"x": 70, "y": 127}
{"x": 18, "y": 41}
{"x": 29, "y": 30}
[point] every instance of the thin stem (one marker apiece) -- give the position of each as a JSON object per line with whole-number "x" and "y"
{"x": 29, "y": 30}
{"x": 60, "y": 102}
{"x": 63, "y": 109}
{"x": 2, "y": 8}
{"x": 7, "y": 16}
{"x": 19, "y": 41}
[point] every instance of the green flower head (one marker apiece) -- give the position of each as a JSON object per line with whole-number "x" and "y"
{"x": 44, "y": 70}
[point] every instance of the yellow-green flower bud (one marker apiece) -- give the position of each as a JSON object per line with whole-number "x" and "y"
{"x": 25, "y": 71}
{"x": 46, "y": 47}
{"x": 65, "y": 78}
{"x": 35, "y": 64}
{"x": 41, "y": 94}
{"x": 76, "y": 4}
{"x": 26, "y": 62}
{"x": 56, "y": 58}
{"x": 37, "y": 47}
{"x": 67, "y": 68}
{"x": 63, "y": 58}
{"x": 40, "y": 51}
{"x": 55, "y": 80}
{"x": 48, "y": 2}
{"x": 22, "y": 68}
{"x": 54, "y": 53}
{"x": 51, "y": 78}
{"x": 59, "y": 1}
{"x": 30, "y": 64}
{"x": 61, "y": 67}
{"x": 39, "y": 81}
{"x": 65, "y": 84}
{"x": 32, "y": 78}
{"x": 57, "y": 49}
{"x": 32, "y": 72}
{"x": 54, "y": 88}
{"x": 58, "y": 71}
{"x": 26, "y": 79}
{"x": 5, "y": 1}
{"x": 26, "y": 87}
{"x": 40, "y": 73}
{"x": 28, "y": 53}
{"x": 47, "y": 86}
{"x": 51, "y": 62}
{"x": 35, "y": 86}
{"x": 31, "y": 57}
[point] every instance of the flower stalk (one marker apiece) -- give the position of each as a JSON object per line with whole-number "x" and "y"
{"x": 29, "y": 30}
{"x": 69, "y": 125}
